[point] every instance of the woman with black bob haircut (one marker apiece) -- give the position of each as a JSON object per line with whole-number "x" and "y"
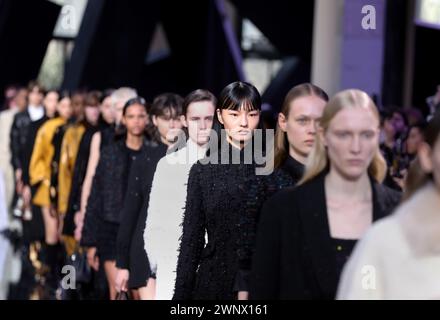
{"x": 216, "y": 205}
{"x": 104, "y": 206}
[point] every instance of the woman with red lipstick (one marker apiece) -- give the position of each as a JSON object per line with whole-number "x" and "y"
{"x": 307, "y": 233}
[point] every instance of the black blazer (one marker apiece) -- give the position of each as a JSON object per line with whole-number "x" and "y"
{"x": 130, "y": 252}
{"x": 22, "y": 140}
{"x": 215, "y": 203}
{"x": 294, "y": 257}
{"x": 108, "y": 189}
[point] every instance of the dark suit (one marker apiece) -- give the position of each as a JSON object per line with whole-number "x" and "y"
{"x": 23, "y": 134}
{"x": 130, "y": 252}
{"x": 294, "y": 257}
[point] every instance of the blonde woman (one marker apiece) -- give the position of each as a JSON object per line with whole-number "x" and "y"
{"x": 399, "y": 258}
{"x": 306, "y": 234}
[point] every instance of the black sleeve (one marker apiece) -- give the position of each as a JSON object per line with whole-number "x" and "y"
{"x": 258, "y": 190}
{"x": 254, "y": 199}
{"x": 74, "y": 202}
{"x": 133, "y": 201}
{"x": 193, "y": 238}
{"x": 264, "y": 279}
{"x": 94, "y": 207}
{"x": 15, "y": 145}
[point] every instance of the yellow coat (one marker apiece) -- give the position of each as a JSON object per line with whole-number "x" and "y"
{"x": 40, "y": 165}
{"x": 69, "y": 151}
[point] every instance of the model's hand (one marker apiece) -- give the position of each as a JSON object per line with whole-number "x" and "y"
{"x": 243, "y": 295}
{"x": 26, "y": 194}
{"x": 18, "y": 181}
{"x": 122, "y": 276}
{"x": 78, "y": 219}
{"x": 92, "y": 258}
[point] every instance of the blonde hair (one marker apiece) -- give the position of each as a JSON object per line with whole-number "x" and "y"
{"x": 299, "y": 91}
{"x": 122, "y": 94}
{"x": 318, "y": 161}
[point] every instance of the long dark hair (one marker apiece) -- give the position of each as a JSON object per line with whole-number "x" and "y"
{"x": 416, "y": 177}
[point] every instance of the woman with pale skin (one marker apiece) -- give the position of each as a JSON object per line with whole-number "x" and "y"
{"x": 99, "y": 141}
{"x": 297, "y": 123}
{"x": 73, "y": 160}
{"x": 40, "y": 174}
{"x": 399, "y": 257}
{"x": 216, "y": 204}
{"x": 294, "y": 138}
{"x": 106, "y": 110}
{"x": 131, "y": 259}
{"x": 106, "y": 122}
{"x": 50, "y": 103}
{"x": 40, "y": 168}
{"x": 163, "y": 230}
{"x": 302, "y": 244}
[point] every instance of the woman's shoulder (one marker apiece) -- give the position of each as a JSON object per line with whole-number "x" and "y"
{"x": 51, "y": 125}
{"x": 387, "y": 196}
{"x": 282, "y": 200}
{"x": 152, "y": 149}
{"x": 113, "y": 149}
{"x": 55, "y": 122}
{"x": 74, "y": 130}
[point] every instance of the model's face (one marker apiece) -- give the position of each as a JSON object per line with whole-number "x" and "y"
{"x": 35, "y": 97}
{"x": 352, "y": 140}
{"x": 78, "y": 107}
{"x": 135, "y": 119}
{"x": 301, "y": 124}
{"x": 198, "y": 120}
{"x": 64, "y": 108}
{"x": 239, "y": 124}
{"x": 92, "y": 114}
{"x": 168, "y": 127}
{"x": 415, "y": 138}
{"x": 107, "y": 111}
{"x": 50, "y": 102}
